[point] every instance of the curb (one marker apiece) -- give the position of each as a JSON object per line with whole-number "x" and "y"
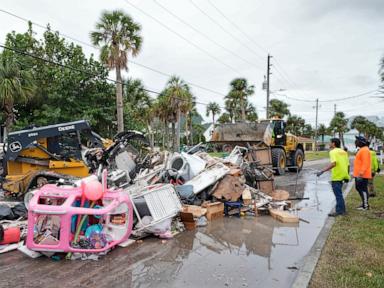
{"x": 310, "y": 260}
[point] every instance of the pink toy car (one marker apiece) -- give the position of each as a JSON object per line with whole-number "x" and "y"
{"x": 57, "y": 223}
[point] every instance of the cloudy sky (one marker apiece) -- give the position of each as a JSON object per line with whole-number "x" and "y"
{"x": 321, "y": 49}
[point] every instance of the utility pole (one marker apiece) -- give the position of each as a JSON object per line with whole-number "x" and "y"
{"x": 317, "y": 114}
{"x": 334, "y": 107}
{"x": 268, "y": 91}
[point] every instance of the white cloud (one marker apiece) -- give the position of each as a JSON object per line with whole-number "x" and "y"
{"x": 328, "y": 49}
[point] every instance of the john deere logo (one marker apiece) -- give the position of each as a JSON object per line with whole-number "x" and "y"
{"x": 15, "y": 146}
{"x": 65, "y": 128}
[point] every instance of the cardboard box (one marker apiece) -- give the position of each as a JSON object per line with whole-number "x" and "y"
{"x": 262, "y": 155}
{"x": 266, "y": 186}
{"x": 197, "y": 211}
{"x": 214, "y": 210}
{"x": 188, "y": 220}
{"x": 215, "y": 215}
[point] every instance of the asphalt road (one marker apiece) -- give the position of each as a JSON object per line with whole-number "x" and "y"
{"x": 229, "y": 252}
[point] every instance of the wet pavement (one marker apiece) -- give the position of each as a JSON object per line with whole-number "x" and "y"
{"x": 229, "y": 252}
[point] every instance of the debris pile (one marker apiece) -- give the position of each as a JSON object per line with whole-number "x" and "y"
{"x": 210, "y": 187}
{"x": 159, "y": 193}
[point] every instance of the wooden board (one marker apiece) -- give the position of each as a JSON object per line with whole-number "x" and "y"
{"x": 263, "y": 155}
{"x": 283, "y": 216}
{"x": 213, "y": 207}
{"x": 280, "y": 195}
{"x": 186, "y": 217}
{"x": 188, "y": 220}
{"x": 235, "y": 172}
{"x": 197, "y": 211}
{"x": 214, "y": 210}
{"x": 215, "y": 215}
{"x": 230, "y": 188}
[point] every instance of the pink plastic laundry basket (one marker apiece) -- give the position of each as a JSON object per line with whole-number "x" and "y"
{"x": 114, "y": 202}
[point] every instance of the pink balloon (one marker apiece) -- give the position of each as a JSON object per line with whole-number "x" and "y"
{"x": 93, "y": 190}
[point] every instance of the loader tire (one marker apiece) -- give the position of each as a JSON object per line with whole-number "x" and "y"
{"x": 298, "y": 161}
{"x": 279, "y": 161}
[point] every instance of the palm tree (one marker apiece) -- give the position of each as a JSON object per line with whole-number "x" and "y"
{"x": 179, "y": 99}
{"x": 307, "y": 131}
{"x": 118, "y": 35}
{"x": 224, "y": 118}
{"x": 16, "y": 86}
{"x": 141, "y": 105}
{"x": 360, "y": 123}
{"x": 214, "y": 109}
{"x": 162, "y": 111}
{"x": 251, "y": 114}
{"x": 339, "y": 125}
{"x": 135, "y": 92}
{"x": 322, "y": 130}
{"x": 295, "y": 125}
{"x": 239, "y": 92}
{"x": 230, "y": 107}
{"x": 278, "y": 108}
{"x": 189, "y": 121}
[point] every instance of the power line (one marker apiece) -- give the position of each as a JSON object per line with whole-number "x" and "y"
{"x": 87, "y": 72}
{"x": 323, "y": 101}
{"x": 182, "y": 37}
{"x": 225, "y": 30}
{"x": 283, "y": 72}
{"x": 97, "y": 48}
{"x": 294, "y": 99}
{"x": 284, "y": 75}
{"x": 92, "y": 46}
{"x": 210, "y": 39}
{"x": 237, "y": 27}
{"x": 328, "y": 100}
{"x": 285, "y": 79}
{"x": 349, "y": 97}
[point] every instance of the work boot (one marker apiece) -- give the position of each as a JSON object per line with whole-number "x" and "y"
{"x": 334, "y": 214}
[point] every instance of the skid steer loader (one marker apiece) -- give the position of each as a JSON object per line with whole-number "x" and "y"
{"x": 39, "y": 155}
{"x": 33, "y": 157}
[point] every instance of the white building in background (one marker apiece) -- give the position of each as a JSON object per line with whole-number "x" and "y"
{"x": 349, "y": 137}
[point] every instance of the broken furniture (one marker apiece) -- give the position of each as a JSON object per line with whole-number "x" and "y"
{"x": 208, "y": 177}
{"x": 232, "y": 205}
{"x": 214, "y": 210}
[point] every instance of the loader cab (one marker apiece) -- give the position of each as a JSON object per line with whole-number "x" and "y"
{"x": 66, "y": 146}
{"x": 278, "y": 132}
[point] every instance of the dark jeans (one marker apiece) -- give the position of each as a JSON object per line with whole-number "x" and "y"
{"x": 362, "y": 188}
{"x": 337, "y": 190}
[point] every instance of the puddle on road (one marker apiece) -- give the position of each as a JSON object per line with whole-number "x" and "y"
{"x": 245, "y": 252}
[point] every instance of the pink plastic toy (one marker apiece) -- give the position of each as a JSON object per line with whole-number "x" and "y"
{"x": 93, "y": 190}
{"x": 51, "y": 217}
